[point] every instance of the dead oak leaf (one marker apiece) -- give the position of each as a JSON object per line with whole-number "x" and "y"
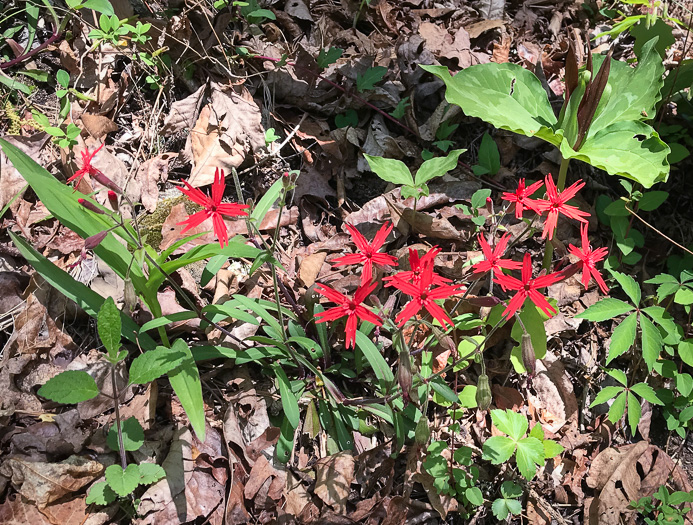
{"x": 44, "y": 483}
{"x": 228, "y": 128}
{"x": 333, "y": 477}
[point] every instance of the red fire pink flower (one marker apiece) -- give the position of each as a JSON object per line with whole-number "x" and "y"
{"x": 527, "y": 287}
{"x": 351, "y": 308}
{"x": 557, "y": 203}
{"x": 588, "y": 260}
{"x": 521, "y": 197}
{"x": 424, "y": 296}
{"x": 213, "y": 207}
{"x": 417, "y": 265}
{"x": 368, "y": 252}
{"x": 492, "y": 257}
{"x": 87, "y": 168}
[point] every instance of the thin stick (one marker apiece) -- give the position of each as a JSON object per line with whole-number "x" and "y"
{"x": 672, "y": 241}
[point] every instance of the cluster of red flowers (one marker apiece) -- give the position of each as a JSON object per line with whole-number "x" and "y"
{"x": 555, "y": 205}
{"x": 420, "y": 282}
{"x": 425, "y": 286}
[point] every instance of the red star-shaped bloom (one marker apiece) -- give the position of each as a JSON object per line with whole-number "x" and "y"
{"x": 87, "y": 168}
{"x": 589, "y": 259}
{"x": 213, "y": 207}
{"x": 351, "y": 308}
{"x": 557, "y": 203}
{"x": 527, "y": 287}
{"x": 521, "y": 197}
{"x": 368, "y": 252}
{"x": 424, "y": 296}
{"x": 492, "y": 257}
{"x": 417, "y": 265}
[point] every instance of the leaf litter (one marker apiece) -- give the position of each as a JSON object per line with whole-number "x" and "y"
{"x": 217, "y": 123}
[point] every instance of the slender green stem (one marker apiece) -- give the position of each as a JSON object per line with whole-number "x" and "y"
{"x": 116, "y": 406}
{"x": 562, "y": 173}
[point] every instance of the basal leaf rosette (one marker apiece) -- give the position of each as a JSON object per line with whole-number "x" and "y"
{"x": 616, "y": 140}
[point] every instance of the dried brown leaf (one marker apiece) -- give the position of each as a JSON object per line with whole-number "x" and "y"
{"x": 183, "y": 113}
{"x": 226, "y": 131}
{"x": 189, "y": 491}
{"x": 44, "y": 483}
{"x": 333, "y": 477}
{"x": 11, "y": 182}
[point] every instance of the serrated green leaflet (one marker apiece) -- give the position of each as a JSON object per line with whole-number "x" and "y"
{"x": 71, "y": 386}
{"x": 607, "y": 308}
{"x": 511, "y": 423}
{"x": 154, "y": 363}
{"x": 651, "y": 342}
{"x": 529, "y": 455}
{"x": 623, "y": 337}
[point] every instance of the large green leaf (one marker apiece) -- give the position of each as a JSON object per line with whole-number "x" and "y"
{"x": 61, "y": 201}
{"x": 87, "y": 299}
{"x": 506, "y": 95}
{"x": 634, "y": 92}
{"x": 630, "y": 149}
{"x": 185, "y": 380}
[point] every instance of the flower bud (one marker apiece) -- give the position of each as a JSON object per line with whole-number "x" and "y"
{"x": 105, "y": 181}
{"x": 130, "y": 296}
{"x": 489, "y": 205}
{"x": 528, "y": 356}
{"x": 422, "y": 432}
{"x": 90, "y": 206}
{"x": 113, "y": 200}
{"x": 404, "y": 375}
{"x": 92, "y": 242}
{"x": 483, "y": 393}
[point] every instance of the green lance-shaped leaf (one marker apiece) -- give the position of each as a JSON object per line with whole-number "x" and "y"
{"x": 109, "y": 326}
{"x": 185, "y": 380}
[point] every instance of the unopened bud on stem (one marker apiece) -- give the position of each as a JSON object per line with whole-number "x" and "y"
{"x": 529, "y": 358}
{"x": 90, "y": 206}
{"x": 113, "y": 200}
{"x": 92, "y": 242}
{"x": 483, "y": 393}
{"x": 106, "y": 182}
